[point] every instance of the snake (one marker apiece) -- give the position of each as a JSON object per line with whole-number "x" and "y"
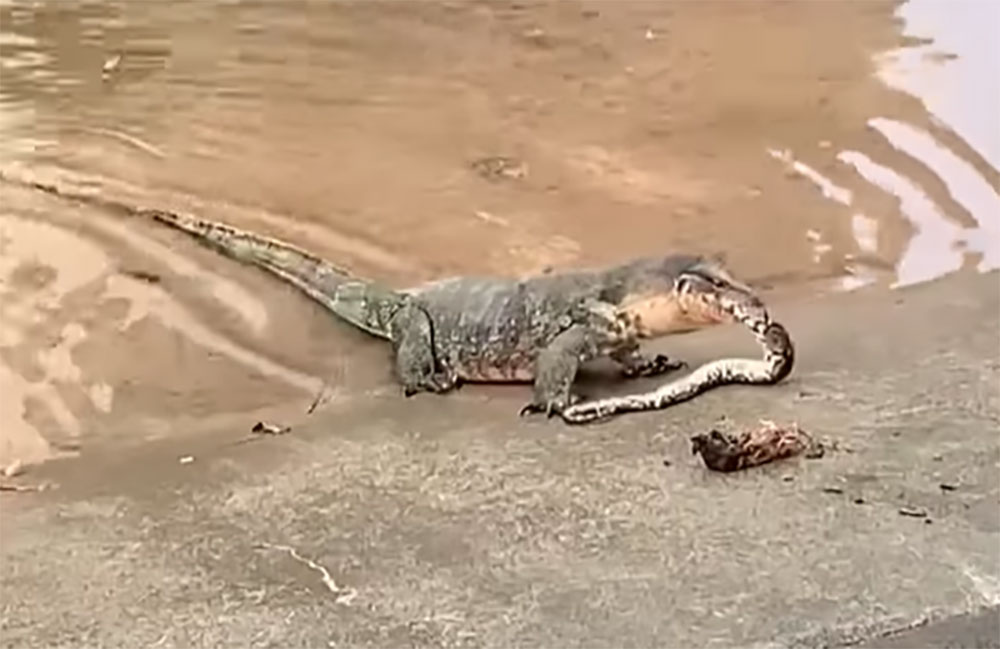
{"x": 776, "y": 364}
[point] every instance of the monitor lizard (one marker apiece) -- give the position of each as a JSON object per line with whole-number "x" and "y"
{"x": 538, "y": 330}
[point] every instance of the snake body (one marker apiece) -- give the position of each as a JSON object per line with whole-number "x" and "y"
{"x": 779, "y": 358}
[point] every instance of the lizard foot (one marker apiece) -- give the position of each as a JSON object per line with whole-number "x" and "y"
{"x": 655, "y": 366}
{"x": 444, "y": 382}
{"x": 550, "y": 408}
{"x": 438, "y": 383}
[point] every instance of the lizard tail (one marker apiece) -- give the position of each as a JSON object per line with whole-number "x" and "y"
{"x": 247, "y": 246}
{"x": 360, "y": 302}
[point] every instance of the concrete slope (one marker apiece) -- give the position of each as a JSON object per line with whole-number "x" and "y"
{"x": 450, "y": 522}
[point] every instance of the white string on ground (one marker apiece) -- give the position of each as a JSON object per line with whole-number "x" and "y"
{"x": 344, "y": 595}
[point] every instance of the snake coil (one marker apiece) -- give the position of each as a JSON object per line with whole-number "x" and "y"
{"x": 779, "y": 358}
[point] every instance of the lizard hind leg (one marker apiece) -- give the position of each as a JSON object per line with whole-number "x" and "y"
{"x": 417, "y": 367}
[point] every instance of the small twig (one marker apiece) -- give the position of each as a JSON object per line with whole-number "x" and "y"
{"x": 13, "y": 469}
{"x": 914, "y": 512}
{"x": 318, "y": 399}
{"x": 127, "y": 139}
{"x": 142, "y": 275}
{"x": 20, "y": 488}
{"x": 247, "y": 440}
{"x": 344, "y": 595}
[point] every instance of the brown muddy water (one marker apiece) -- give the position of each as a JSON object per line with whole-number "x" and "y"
{"x": 821, "y": 146}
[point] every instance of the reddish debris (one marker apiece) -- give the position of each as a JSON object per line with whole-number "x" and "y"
{"x": 765, "y": 443}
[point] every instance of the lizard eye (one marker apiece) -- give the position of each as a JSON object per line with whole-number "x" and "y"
{"x": 689, "y": 280}
{"x": 714, "y": 281}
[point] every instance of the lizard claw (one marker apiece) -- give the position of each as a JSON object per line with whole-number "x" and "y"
{"x": 530, "y": 409}
{"x": 664, "y": 364}
{"x": 550, "y": 408}
{"x": 659, "y": 364}
{"x": 441, "y": 383}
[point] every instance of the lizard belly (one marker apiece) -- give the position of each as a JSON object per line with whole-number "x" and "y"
{"x": 483, "y": 329}
{"x": 510, "y": 371}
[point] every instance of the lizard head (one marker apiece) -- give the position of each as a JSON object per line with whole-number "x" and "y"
{"x": 687, "y": 293}
{"x": 708, "y": 294}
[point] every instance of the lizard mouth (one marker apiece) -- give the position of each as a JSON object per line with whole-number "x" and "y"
{"x": 710, "y": 296}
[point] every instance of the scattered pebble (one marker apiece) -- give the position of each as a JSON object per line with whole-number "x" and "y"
{"x": 187, "y": 459}
{"x": 650, "y": 34}
{"x": 859, "y": 501}
{"x": 938, "y": 458}
{"x": 832, "y": 490}
{"x": 947, "y": 486}
{"x": 787, "y": 478}
{"x": 534, "y": 34}
{"x": 667, "y": 462}
{"x": 815, "y": 452}
{"x": 914, "y": 512}
{"x": 483, "y": 215}
{"x": 13, "y": 469}
{"x": 500, "y": 167}
{"x": 111, "y": 65}
{"x": 264, "y": 428}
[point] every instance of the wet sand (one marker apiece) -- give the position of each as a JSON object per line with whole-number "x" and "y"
{"x": 761, "y": 131}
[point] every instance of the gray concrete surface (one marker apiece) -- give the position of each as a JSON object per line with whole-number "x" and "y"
{"x": 449, "y": 522}
{"x": 979, "y": 630}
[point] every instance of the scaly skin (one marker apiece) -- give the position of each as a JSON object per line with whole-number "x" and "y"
{"x": 481, "y": 329}
{"x": 478, "y": 329}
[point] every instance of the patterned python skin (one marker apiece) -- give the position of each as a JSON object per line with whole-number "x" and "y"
{"x": 779, "y": 358}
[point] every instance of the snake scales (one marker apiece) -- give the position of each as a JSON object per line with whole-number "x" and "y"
{"x": 777, "y": 363}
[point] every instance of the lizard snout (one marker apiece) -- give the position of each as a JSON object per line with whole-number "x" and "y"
{"x": 714, "y": 298}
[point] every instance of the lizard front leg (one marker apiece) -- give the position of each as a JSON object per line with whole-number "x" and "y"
{"x": 417, "y": 367}
{"x": 556, "y": 370}
{"x": 635, "y": 364}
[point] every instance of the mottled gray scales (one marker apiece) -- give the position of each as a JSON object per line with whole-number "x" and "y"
{"x": 482, "y": 329}
{"x": 540, "y": 329}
